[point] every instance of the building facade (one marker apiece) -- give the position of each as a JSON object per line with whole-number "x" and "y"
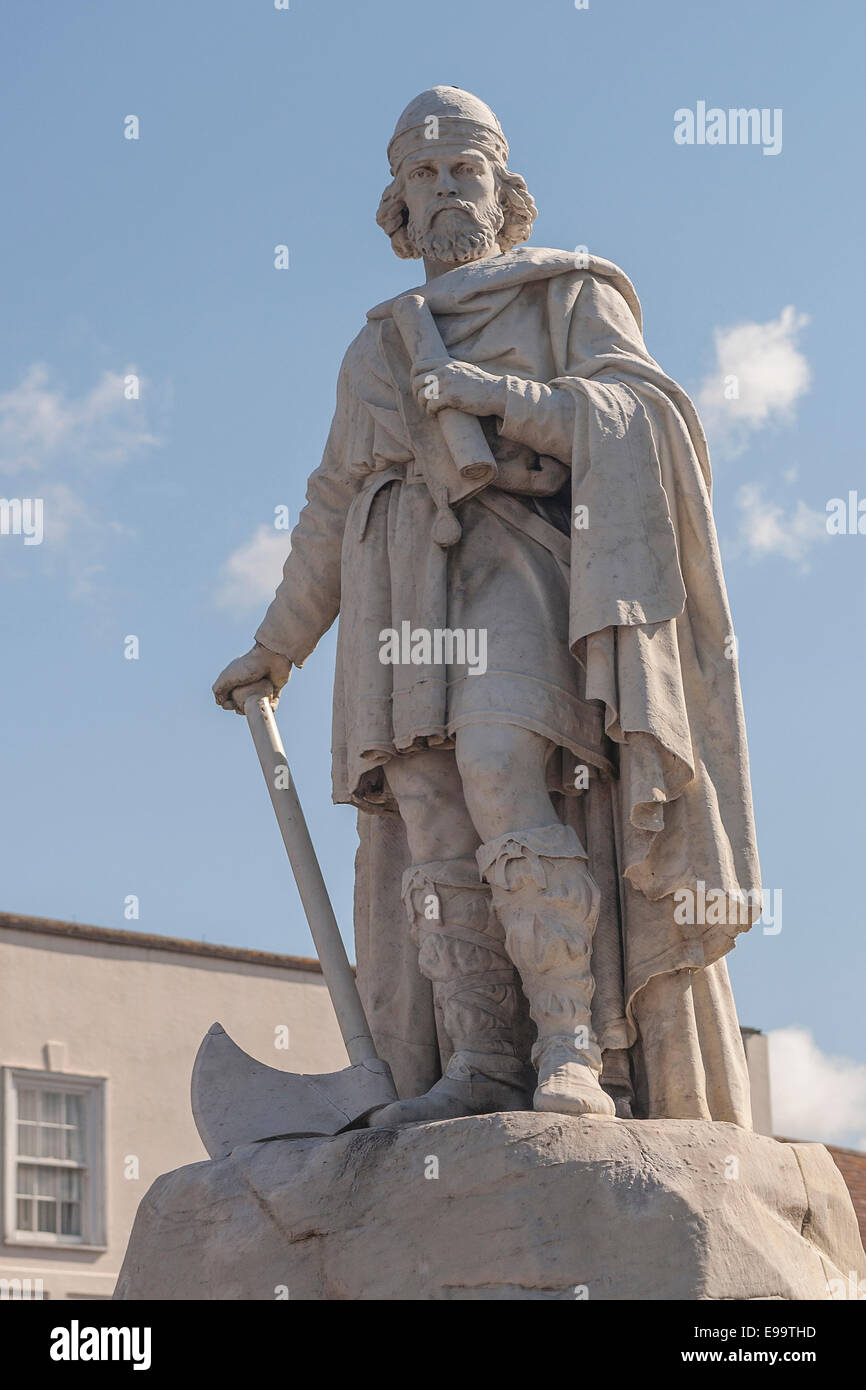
{"x": 98, "y": 1033}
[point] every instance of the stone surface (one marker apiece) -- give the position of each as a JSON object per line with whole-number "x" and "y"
{"x": 525, "y": 1206}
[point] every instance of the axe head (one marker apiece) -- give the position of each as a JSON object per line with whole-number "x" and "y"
{"x": 237, "y": 1100}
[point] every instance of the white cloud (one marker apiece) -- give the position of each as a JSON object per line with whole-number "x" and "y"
{"x": 49, "y": 443}
{"x": 76, "y": 539}
{"x": 813, "y": 1095}
{"x": 766, "y": 528}
{"x": 253, "y": 571}
{"x": 759, "y": 376}
{"x": 41, "y": 427}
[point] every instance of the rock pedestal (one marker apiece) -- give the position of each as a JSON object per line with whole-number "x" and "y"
{"x": 507, "y": 1206}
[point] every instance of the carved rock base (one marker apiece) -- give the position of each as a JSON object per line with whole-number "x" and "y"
{"x": 525, "y": 1206}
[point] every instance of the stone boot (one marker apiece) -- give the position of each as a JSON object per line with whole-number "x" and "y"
{"x": 548, "y": 904}
{"x": 475, "y": 987}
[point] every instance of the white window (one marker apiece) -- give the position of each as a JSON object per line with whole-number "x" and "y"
{"x": 53, "y": 1173}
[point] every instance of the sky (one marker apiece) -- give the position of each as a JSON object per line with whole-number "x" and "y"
{"x": 152, "y": 260}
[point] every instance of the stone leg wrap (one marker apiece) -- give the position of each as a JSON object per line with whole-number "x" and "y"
{"x": 462, "y": 951}
{"x": 548, "y": 904}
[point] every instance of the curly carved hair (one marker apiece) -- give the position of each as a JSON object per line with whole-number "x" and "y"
{"x": 514, "y": 198}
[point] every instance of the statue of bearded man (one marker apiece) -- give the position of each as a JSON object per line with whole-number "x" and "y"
{"x": 558, "y": 788}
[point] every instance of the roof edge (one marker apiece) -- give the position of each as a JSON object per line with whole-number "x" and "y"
{"x": 146, "y": 941}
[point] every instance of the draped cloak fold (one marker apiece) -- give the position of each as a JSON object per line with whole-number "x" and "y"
{"x": 668, "y": 806}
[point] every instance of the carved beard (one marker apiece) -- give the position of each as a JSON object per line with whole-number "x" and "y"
{"x": 462, "y": 233}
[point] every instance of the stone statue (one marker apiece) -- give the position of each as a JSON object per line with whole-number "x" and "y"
{"x": 537, "y": 714}
{"x": 536, "y": 709}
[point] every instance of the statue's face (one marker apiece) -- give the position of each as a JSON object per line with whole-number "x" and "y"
{"x": 454, "y": 213}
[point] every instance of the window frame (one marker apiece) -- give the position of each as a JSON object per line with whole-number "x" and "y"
{"x": 94, "y": 1196}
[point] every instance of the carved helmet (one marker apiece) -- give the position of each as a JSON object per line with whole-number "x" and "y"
{"x": 456, "y": 117}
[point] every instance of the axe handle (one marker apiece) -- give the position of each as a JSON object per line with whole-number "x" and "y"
{"x": 336, "y": 969}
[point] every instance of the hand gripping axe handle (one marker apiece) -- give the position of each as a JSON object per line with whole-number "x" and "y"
{"x": 238, "y": 1100}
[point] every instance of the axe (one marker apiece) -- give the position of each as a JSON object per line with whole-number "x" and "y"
{"x": 237, "y": 1100}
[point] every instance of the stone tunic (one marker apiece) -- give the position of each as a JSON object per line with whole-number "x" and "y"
{"x": 507, "y": 591}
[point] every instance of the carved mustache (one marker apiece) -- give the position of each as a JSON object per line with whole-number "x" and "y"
{"x": 451, "y": 205}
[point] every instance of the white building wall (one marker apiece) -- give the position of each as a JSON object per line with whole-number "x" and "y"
{"x": 135, "y": 1015}
{"x": 756, "y": 1044}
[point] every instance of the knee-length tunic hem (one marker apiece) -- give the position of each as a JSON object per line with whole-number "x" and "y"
{"x": 496, "y": 582}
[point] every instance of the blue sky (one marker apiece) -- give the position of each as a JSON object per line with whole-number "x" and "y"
{"x": 261, "y": 127}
